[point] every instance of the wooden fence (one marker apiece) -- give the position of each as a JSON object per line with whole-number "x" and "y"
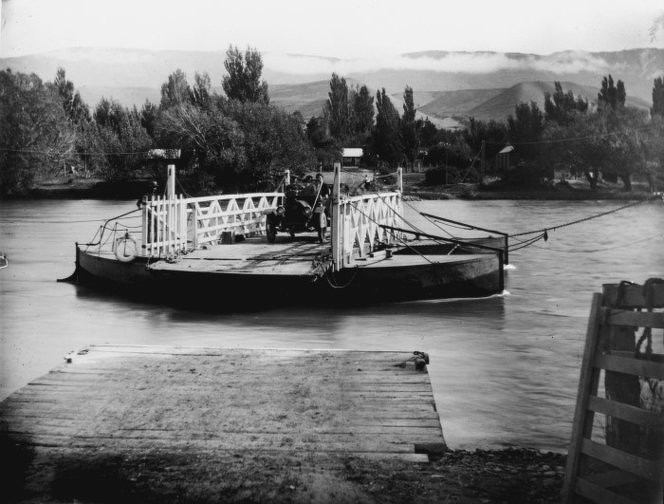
{"x": 361, "y": 220}
{"x": 174, "y": 225}
{"x": 240, "y": 213}
{"x": 357, "y": 221}
{"x": 620, "y": 460}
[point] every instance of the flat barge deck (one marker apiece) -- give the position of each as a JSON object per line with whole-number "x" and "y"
{"x": 219, "y": 252}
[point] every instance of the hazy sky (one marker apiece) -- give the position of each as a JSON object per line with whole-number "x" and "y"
{"x": 342, "y": 28}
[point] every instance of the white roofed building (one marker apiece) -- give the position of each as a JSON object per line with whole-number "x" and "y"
{"x": 351, "y": 156}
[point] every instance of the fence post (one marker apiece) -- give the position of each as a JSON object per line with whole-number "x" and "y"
{"x": 144, "y": 226}
{"x": 336, "y": 220}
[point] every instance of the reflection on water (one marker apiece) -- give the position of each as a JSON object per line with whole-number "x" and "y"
{"x": 504, "y": 369}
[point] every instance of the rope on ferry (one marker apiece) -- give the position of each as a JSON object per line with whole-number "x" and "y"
{"x": 603, "y": 249}
{"x": 584, "y": 219}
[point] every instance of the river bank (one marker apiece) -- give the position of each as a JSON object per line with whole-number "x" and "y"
{"x": 511, "y": 475}
{"x": 413, "y": 188}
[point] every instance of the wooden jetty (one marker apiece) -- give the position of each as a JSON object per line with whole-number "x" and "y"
{"x": 120, "y": 401}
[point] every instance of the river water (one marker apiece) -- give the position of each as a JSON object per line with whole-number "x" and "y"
{"x": 504, "y": 370}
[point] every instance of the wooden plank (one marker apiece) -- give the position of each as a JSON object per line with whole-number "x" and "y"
{"x": 631, "y": 366}
{"x": 652, "y": 470}
{"x": 627, "y": 412}
{"x": 612, "y": 478}
{"x": 588, "y": 384}
{"x": 616, "y": 317}
{"x": 599, "y": 494}
{"x": 632, "y": 296}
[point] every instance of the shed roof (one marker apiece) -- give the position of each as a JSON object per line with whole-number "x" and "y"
{"x": 353, "y": 152}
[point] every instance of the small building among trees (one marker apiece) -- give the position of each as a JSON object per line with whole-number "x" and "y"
{"x": 351, "y": 156}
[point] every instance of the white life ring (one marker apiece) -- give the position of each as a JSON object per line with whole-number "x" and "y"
{"x": 123, "y": 256}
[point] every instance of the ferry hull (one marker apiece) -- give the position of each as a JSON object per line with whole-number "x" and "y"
{"x": 385, "y": 280}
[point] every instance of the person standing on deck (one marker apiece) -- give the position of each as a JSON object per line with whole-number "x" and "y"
{"x": 143, "y": 200}
{"x": 322, "y": 189}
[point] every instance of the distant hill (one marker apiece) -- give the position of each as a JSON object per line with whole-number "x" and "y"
{"x": 454, "y": 103}
{"x": 446, "y": 84}
{"x": 502, "y": 104}
{"x": 307, "y": 98}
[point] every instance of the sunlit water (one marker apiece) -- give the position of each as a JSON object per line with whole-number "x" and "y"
{"x": 504, "y": 370}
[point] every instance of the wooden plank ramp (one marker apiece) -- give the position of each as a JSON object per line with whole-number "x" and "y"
{"x": 122, "y": 400}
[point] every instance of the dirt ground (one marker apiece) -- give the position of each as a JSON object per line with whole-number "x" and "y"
{"x": 497, "y": 476}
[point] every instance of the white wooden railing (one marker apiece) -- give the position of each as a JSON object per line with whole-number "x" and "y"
{"x": 171, "y": 226}
{"x": 175, "y": 225}
{"x": 360, "y": 226}
{"x": 241, "y": 213}
{"x": 357, "y": 223}
{"x": 164, "y": 226}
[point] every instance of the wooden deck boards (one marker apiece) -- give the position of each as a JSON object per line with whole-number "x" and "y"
{"x": 131, "y": 398}
{"x": 287, "y": 256}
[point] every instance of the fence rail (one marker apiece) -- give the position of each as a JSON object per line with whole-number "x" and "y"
{"x": 174, "y": 225}
{"x": 629, "y": 466}
{"x": 243, "y": 214}
{"x": 362, "y": 221}
{"x": 359, "y": 223}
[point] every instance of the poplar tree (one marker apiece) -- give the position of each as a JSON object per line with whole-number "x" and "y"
{"x": 386, "y": 136}
{"x": 658, "y": 97}
{"x": 337, "y": 108}
{"x": 175, "y": 91}
{"x": 363, "y": 106}
{"x": 612, "y": 95}
{"x": 409, "y": 132}
{"x": 243, "y": 82}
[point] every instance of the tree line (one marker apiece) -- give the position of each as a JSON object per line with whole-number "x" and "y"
{"x": 238, "y": 140}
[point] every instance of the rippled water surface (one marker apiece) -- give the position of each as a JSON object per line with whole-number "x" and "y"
{"x": 504, "y": 370}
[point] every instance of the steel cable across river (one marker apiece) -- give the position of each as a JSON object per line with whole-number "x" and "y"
{"x": 504, "y": 369}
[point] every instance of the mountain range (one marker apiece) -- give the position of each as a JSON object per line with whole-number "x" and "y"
{"x": 448, "y": 86}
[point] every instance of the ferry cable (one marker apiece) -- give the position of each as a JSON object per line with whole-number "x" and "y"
{"x": 603, "y": 249}
{"x": 584, "y": 219}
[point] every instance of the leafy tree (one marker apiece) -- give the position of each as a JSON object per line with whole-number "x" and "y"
{"x": 363, "y": 111}
{"x": 243, "y": 82}
{"x": 273, "y": 142}
{"x": 36, "y": 136}
{"x": 623, "y": 143}
{"x": 492, "y": 133}
{"x": 337, "y": 108}
{"x": 611, "y": 95}
{"x": 428, "y": 132}
{"x": 149, "y": 114}
{"x": 386, "y": 139}
{"x": 524, "y": 128}
{"x": 120, "y": 138}
{"x": 74, "y": 106}
{"x": 175, "y": 91}
{"x": 201, "y": 91}
{"x": 409, "y": 127}
{"x": 658, "y": 97}
{"x": 561, "y": 107}
{"x": 654, "y": 152}
{"x": 325, "y": 148}
{"x": 215, "y": 139}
